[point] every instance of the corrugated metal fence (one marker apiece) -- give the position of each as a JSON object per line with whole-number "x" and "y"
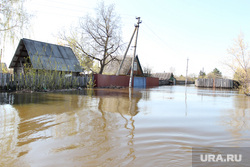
{"x": 9, "y": 81}
{"x": 214, "y": 83}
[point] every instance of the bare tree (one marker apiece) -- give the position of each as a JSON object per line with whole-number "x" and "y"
{"x": 172, "y": 70}
{"x": 13, "y": 17}
{"x": 240, "y": 61}
{"x": 147, "y": 70}
{"x": 97, "y": 38}
{"x": 12, "y": 20}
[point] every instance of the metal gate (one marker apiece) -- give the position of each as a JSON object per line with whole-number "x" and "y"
{"x": 139, "y": 82}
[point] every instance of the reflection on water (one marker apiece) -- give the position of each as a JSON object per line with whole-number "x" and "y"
{"x": 9, "y": 121}
{"x": 102, "y": 127}
{"x": 237, "y": 120}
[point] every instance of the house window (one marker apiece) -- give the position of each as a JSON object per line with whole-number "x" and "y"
{"x": 135, "y": 66}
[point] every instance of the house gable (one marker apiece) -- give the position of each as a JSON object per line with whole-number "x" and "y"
{"x": 137, "y": 68}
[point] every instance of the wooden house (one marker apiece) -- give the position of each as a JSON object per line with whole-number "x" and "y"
{"x": 113, "y": 66}
{"x": 165, "y": 78}
{"x": 110, "y": 79}
{"x": 46, "y": 56}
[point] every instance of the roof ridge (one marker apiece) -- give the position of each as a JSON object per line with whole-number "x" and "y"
{"x": 44, "y": 42}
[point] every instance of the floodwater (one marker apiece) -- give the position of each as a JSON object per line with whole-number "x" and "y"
{"x": 107, "y": 127}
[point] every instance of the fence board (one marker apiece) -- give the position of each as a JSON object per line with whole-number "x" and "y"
{"x": 30, "y": 82}
{"x": 1, "y": 79}
{"x": 214, "y": 83}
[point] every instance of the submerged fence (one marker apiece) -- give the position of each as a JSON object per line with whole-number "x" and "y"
{"x": 39, "y": 82}
{"x": 215, "y": 83}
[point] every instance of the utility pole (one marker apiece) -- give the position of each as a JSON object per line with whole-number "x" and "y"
{"x": 186, "y": 88}
{"x": 133, "y": 59}
{"x": 118, "y": 72}
{"x": 186, "y": 73}
{"x": 1, "y": 54}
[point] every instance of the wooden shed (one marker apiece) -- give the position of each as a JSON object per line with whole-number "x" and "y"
{"x": 165, "y": 78}
{"x": 113, "y": 66}
{"x": 41, "y": 55}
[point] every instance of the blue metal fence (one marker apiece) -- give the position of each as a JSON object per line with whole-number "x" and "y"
{"x": 139, "y": 82}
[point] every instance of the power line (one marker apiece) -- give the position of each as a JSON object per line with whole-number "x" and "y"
{"x": 75, "y": 9}
{"x": 153, "y": 32}
{"x": 62, "y": 3}
{"x": 162, "y": 41}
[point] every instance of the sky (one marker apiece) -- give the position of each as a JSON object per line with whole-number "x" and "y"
{"x": 171, "y": 31}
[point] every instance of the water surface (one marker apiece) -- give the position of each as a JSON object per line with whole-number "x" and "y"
{"x": 107, "y": 127}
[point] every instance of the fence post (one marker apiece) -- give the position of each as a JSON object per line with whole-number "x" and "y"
{"x": 11, "y": 81}
{"x": 1, "y": 76}
{"x": 8, "y": 80}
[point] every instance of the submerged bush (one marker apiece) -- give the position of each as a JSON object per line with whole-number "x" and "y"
{"x": 41, "y": 79}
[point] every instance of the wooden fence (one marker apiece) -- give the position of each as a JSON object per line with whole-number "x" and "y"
{"x": 10, "y": 81}
{"x": 215, "y": 83}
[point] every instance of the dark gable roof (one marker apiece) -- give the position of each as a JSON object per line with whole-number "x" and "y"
{"x": 163, "y": 76}
{"x": 46, "y": 56}
{"x": 114, "y": 65}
